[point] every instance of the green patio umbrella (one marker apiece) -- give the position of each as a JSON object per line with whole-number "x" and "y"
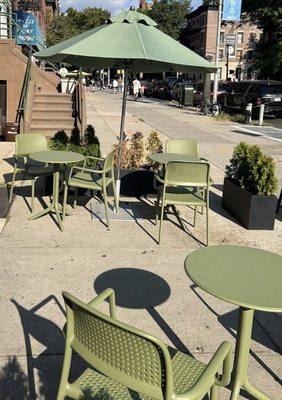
{"x": 128, "y": 41}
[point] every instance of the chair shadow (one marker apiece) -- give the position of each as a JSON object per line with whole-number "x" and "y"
{"x": 230, "y": 321}
{"x": 48, "y": 364}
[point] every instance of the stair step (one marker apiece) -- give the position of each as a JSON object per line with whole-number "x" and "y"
{"x": 52, "y": 103}
{"x": 52, "y": 121}
{"x": 64, "y": 113}
{"x": 50, "y": 130}
{"x": 51, "y": 94}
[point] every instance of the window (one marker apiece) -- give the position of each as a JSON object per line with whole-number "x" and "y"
{"x": 252, "y": 37}
{"x": 239, "y": 55}
{"x": 240, "y": 37}
{"x": 202, "y": 38}
{"x": 219, "y": 73}
{"x": 221, "y": 37}
{"x": 220, "y": 54}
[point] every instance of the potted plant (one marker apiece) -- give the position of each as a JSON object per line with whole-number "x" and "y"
{"x": 249, "y": 186}
{"x": 137, "y": 171}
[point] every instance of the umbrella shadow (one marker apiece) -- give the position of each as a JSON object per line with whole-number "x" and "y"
{"x": 230, "y": 322}
{"x": 140, "y": 289}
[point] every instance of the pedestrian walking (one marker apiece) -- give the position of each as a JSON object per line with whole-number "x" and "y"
{"x": 136, "y": 88}
{"x": 115, "y": 85}
{"x": 120, "y": 84}
{"x": 100, "y": 84}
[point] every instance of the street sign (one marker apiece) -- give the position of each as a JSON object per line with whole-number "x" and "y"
{"x": 231, "y": 10}
{"x": 230, "y": 43}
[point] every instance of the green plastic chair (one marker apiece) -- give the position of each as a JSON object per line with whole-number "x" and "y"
{"x": 188, "y": 147}
{"x": 93, "y": 179}
{"x": 26, "y": 144}
{"x": 184, "y": 183}
{"x": 126, "y": 363}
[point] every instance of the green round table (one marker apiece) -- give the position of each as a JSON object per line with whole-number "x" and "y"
{"x": 165, "y": 158}
{"x": 248, "y": 277}
{"x": 57, "y": 158}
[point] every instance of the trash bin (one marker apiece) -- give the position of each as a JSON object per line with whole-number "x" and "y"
{"x": 186, "y": 95}
{"x": 10, "y": 131}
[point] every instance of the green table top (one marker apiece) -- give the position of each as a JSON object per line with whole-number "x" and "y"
{"x": 57, "y": 157}
{"x": 164, "y": 158}
{"x": 245, "y": 276}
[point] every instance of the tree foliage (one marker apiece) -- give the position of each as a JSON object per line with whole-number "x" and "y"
{"x": 170, "y": 15}
{"x": 73, "y": 22}
{"x": 267, "y": 15}
{"x": 252, "y": 170}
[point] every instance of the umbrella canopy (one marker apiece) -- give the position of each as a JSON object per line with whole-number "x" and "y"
{"x": 129, "y": 38}
{"x": 129, "y": 41}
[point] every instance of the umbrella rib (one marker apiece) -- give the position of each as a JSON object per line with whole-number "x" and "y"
{"x": 141, "y": 40}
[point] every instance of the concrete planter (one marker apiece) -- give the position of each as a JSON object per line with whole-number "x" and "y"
{"x": 252, "y": 211}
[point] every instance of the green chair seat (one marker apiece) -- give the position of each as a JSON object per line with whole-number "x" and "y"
{"x": 183, "y": 195}
{"x": 186, "y": 371}
{"x": 128, "y": 364}
{"x": 88, "y": 180}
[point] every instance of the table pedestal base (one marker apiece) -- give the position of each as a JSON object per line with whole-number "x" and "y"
{"x": 243, "y": 343}
{"x": 55, "y": 202}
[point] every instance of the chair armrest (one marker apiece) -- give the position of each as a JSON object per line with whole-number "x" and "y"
{"x": 159, "y": 179}
{"x": 222, "y": 358}
{"x": 106, "y": 294}
{"x": 96, "y": 158}
{"x": 96, "y": 171}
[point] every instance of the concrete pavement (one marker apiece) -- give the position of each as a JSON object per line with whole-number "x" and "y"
{"x": 38, "y": 262}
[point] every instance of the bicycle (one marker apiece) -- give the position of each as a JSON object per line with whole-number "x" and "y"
{"x": 209, "y": 108}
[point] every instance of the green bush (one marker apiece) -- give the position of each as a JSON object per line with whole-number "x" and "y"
{"x": 75, "y": 136}
{"x": 92, "y": 151}
{"x": 61, "y": 137}
{"x": 89, "y": 136}
{"x": 252, "y": 170}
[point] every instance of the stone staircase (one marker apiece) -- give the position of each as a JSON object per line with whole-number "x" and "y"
{"x": 51, "y": 112}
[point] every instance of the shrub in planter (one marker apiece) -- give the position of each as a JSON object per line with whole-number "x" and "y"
{"x": 89, "y": 136}
{"x": 249, "y": 186}
{"x": 137, "y": 152}
{"x": 75, "y": 136}
{"x": 153, "y": 145}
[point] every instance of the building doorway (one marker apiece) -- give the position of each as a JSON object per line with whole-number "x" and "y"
{"x": 3, "y": 104}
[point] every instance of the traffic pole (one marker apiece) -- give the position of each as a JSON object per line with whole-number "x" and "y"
{"x": 215, "y": 84}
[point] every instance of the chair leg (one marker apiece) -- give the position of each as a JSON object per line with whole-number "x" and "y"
{"x": 161, "y": 220}
{"x": 207, "y": 217}
{"x": 75, "y": 197}
{"x": 32, "y": 194}
{"x": 65, "y": 200}
{"x": 214, "y": 392}
{"x": 195, "y": 217}
{"x": 106, "y": 206}
{"x": 115, "y": 196}
{"x": 12, "y": 185}
{"x": 158, "y": 205}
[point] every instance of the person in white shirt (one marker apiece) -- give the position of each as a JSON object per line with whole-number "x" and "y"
{"x": 115, "y": 85}
{"x": 136, "y": 88}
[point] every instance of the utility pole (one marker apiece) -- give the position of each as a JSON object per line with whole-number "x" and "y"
{"x": 227, "y": 61}
{"x": 215, "y": 84}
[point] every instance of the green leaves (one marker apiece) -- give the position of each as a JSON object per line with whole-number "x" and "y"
{"x": 170, "y": 16}
{"x": 74, "y": 22}
{"x": 252, "y": 170}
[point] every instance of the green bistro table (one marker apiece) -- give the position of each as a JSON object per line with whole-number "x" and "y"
{"x": 58, "y": 159}
{"x": 247, "y": 277}
{"x": 165, "y": 158}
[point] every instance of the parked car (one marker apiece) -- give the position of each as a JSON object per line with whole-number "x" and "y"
{"x": 257, "y": 92}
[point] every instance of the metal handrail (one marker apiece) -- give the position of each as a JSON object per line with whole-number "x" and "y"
{"x": 24, "y": 93}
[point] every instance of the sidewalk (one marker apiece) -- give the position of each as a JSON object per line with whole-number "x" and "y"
{"x": 38, "y": 262}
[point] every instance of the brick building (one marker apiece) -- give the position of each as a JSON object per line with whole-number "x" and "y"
{"x": 146, "y": 4}
{"x": 235, "y": 37}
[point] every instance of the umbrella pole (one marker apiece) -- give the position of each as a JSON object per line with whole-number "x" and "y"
{"x": 121, "y": 133}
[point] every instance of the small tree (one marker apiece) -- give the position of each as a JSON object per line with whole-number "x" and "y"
{"x": 252, "y": 170}
{"x": 153, "y": 145}
{"x": 89, "y": 136}
{"x": 75, "y": 136}
{"x": 137, "y": 152}
{"x": 125, "y": 154}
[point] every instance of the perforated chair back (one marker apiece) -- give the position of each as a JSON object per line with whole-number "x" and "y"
{"x": 188, "y": 173}
{"x": 27, "y": 143}
{"x": 109, "y": 161}
{"x": 182, "y": 146}
{"x": 123, "y": 353}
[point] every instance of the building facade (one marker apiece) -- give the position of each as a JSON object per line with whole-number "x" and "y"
{"x": 146, "y": 4}
{"x": 237, "y": 41}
